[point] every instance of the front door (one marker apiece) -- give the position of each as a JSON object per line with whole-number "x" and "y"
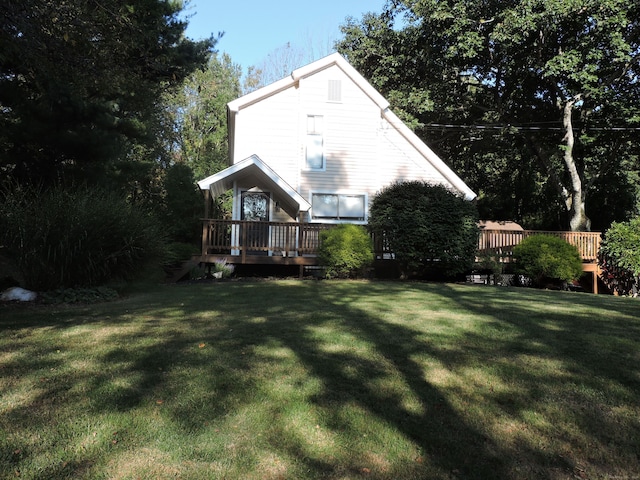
{"x": 255, "y": 211}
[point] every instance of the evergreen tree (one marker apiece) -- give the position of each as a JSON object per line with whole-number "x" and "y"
{"x": 80, "y": 82}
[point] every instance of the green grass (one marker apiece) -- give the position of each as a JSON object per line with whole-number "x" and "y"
{"x": 337, "y": 380}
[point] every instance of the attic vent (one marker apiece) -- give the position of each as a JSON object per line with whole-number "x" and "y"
{"x": 335, "y": 91}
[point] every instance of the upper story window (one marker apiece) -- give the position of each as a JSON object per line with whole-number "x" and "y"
{"x": 335, "y": 91}
{"x": 314, "y": 151}
{"x": 332, "y": 206}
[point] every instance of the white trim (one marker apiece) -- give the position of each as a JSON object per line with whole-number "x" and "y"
{"x": 219, "y": 182}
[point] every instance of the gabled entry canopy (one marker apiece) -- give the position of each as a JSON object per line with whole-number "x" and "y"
{"x": 252, "y": 171}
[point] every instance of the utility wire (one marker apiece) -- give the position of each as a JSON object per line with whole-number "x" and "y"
{"x": 527, "y": 127}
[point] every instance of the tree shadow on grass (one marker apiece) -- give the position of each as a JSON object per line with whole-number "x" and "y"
{"x": 229, "y": 336}
{"x": 572, "y": 360}
{"x": 82, "y": 402}
{"x": 447, "y": 442}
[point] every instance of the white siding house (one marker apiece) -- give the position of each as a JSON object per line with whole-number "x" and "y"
{"x": 316, "y": 146}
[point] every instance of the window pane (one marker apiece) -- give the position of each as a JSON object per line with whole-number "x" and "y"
{"x": 325, "y": 205}
{"x": 315, "y": 124}
{"x": 352, "y": 206}
{"x": 315, "y": 154}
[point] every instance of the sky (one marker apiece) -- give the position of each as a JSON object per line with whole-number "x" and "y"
{"x": 255, "y": 28}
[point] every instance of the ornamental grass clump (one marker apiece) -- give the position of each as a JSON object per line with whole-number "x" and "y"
{"x": 223, "y": 268}
{"x": 547, "y": 260}
{"x": 78, "y": 237}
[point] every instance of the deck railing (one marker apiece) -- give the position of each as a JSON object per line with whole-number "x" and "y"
{"x": 243, "y": 237}
{"x": 239, "y": 237}
{"x": 499, "y": 243}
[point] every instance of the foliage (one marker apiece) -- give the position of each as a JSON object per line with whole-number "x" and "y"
{"x": 77, "y": 237}
{"x": 179, "y": 252}
{"x": 223, "y": 267}
{"x": 517, "y": 94}
{"x": 345, "y": 250}
{"x": 620, "y": 256}
{"x": 80, "y": 82}
{"x": 199, "y": 112}
{"x": 546, "y": 258}
{"x": 428, "y": 227}
{"x": 183, "y": 203}
{"x": 79, "y": 295}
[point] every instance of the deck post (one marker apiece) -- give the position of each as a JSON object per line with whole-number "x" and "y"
{"x": 299, "y": 238}
{"x": 207, "y": 203}
{"x": 243, "y": 244}
{"x": 205, "y": 231}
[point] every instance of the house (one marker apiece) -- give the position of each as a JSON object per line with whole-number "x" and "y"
{"x": 306, "y": 152}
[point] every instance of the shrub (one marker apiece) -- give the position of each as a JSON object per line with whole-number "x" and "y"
{"x": 81, "y": 237}
{"x": 80, "y": 295}
{"x": 345, "y": 250}
{"x": 429, "y": 228}
{"x": 179, "y": 252}
{"x": 620, "y": 257}
{"x": 547, "y": 258}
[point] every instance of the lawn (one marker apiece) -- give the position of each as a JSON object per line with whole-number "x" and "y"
{"x": 317, "y": 379}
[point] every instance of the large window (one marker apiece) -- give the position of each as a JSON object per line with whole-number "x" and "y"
{"x": 332, "y": 206}
{"x": 314, "y": 154}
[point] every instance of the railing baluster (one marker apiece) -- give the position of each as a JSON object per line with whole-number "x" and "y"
{"x": 223, "y": 236}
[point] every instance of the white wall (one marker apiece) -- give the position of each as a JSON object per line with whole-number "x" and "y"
{"x": 363, "y": 151}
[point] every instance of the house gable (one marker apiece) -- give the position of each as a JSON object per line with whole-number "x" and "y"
{"x": 365, "y": 145}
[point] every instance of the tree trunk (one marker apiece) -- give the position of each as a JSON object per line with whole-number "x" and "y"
{"x": 575, "y": 200}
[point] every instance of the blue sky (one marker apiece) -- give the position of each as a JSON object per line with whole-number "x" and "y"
{"x": 255, "y": 28}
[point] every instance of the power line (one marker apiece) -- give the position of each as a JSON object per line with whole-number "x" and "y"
{"x": 526, "y": 127}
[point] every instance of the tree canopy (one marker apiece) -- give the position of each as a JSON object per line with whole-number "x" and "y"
{"x": 198, "y": 113}
{"x": 525, "y": 99}
{"x": 80, "y": 81}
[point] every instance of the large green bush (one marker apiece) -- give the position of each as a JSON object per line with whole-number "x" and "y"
{"x": 620, "y": 257}
{"x": 430, "y": 229}
{"x": 547, "y": 259}
{"x": 80, "y": 237}
{"x": 345, "y": 250}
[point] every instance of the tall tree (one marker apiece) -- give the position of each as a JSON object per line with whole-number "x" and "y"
{"x": 284, "y": 59}
{"x": 199, "y": 113}
{"x": 556, "y": 76}
{"x": 80, "y": 80}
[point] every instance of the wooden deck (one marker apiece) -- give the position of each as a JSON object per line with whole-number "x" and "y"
{"x": 499, "y": 243}
{"x": 292, "y": 243}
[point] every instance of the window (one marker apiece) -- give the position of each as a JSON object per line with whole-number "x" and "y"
{"x": 337, "y": 206}
{"x": 335, "y": 91}
{"x": 314, "y": 153}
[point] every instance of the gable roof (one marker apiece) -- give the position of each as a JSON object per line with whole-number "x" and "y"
{"x": 335, "y": 59}
{"x": 253, "y": 169}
